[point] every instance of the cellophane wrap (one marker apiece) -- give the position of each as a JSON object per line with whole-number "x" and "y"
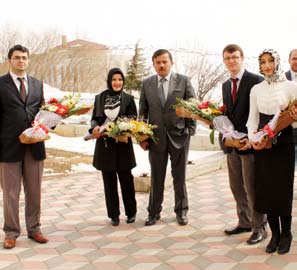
{"x": 223, "y": 125}
{"x": 43, "y": 121}
{"x": 268, "y": 129}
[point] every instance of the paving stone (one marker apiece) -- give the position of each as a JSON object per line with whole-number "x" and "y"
{"x": 81, "y": 237}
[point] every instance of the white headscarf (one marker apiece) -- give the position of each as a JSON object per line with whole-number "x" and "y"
{"x": 278, "y": 75}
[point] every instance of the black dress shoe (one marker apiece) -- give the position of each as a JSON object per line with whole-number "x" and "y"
{"x": 151, "y": 220}
{"x": 284, "y": 243}
{"x": 182, "y": 220}
{"x": 237, "y": 230}
{"x": 115, "y": 221}
{"x": 257, "y": 237}
{"x": 273, "y": 244}
{"x": 131, "y": 219}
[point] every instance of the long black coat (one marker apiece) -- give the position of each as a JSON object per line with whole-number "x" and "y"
{"x": 17, "y": 115}
{"x": 110, "y": 155}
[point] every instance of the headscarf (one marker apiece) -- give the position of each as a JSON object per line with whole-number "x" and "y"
{"x": 278, "y": 75}
{"x": 112, "y": 100}
{"x": 111, "y": 73}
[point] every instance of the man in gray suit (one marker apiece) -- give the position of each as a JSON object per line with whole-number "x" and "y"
{"x": 158, "y": 95}
{"x": 21, "y": 97}
{"x": 292, "y": 76}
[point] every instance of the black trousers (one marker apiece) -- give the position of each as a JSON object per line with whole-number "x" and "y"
{"x": 110, "y": 180}
{"x": 158, "y": 161}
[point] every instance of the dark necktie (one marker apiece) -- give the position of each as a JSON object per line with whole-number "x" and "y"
{"x": 22, "y": 89}
{"x": 161, "y": 89}
{"x": 234, "y": 89}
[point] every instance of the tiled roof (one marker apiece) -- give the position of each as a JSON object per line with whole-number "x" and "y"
{"x": 83, "y": 43}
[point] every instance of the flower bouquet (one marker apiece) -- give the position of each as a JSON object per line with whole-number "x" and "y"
{"x": 230, "y": 137}
{"x": 205, "y": 112}
{"x": 120, "y": 130}
{"x": 50, "y": 114}
{"x": 143, "y": 131}
{"x": 281, "y": 120}
{"x": 123, "y": 128}
{"x": 192, "y": 108}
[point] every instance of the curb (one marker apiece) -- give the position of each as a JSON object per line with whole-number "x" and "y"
{"x": 203, "y": 165}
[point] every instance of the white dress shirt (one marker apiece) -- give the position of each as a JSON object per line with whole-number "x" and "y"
{"x": 18, "y": 83}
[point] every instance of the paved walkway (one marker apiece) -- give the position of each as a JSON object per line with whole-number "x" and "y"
{"x": 74, "y": 219}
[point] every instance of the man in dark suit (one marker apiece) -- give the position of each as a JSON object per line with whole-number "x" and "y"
{"x": 292, "y": 76}
{"x": 158, "y": 95}
{"x": 292, "y": 73}
{"x": 21, "y": 96}
{"x": 236, "y": 91}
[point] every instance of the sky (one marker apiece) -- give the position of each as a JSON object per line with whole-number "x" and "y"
{"x": 189, "y": 24}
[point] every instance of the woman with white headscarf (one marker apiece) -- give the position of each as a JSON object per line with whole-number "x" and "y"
{"x": 274, "y": 167}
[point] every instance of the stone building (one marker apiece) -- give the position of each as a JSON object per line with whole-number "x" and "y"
{"x": 76, "y": 66}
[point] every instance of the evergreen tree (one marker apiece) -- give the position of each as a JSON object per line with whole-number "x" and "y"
{"x": 137, "y": 70}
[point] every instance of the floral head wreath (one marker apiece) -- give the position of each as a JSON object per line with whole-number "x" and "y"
{"x": 278, "y": 75}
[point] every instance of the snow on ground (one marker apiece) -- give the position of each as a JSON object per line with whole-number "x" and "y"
{"x": 78, "y": 145}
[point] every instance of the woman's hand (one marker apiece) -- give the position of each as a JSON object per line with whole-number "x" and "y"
{"x": 265, "y": 143}
{"x": 144, "y": 145}
{"x": 96, "y": 132}
{"x": 258, "y": 145}
{"x": 293, "y": 112}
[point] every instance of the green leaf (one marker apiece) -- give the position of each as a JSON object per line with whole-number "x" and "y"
{"x": 211, "y": 136}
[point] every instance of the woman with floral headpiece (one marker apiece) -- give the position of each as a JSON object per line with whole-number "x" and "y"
{"x": 274, "y": 166}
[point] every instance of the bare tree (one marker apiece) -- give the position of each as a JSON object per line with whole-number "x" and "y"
{"x": 203, "y": 69}
{"x": 205, "y": 75}
{"x": 35, "y": 42}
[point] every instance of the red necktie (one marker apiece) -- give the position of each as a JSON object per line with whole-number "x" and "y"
{"x": 22, "y": 89}
{"x": 234, "y": 89}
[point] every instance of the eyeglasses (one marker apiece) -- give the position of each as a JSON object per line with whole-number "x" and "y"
{"x": 19, "y": 58}
{"x": 234, "y": 57}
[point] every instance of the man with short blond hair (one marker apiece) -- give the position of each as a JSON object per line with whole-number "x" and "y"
{"x": 236, "y": 91}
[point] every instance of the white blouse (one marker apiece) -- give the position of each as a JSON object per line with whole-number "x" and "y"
{"x": 269, "y": 99}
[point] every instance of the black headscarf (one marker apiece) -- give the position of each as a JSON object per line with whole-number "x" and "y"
{"x": 109, "y": 77}
{"x": 112, "y": 99}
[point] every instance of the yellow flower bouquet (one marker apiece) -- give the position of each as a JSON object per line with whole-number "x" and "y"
{"x": 123, "y": 128}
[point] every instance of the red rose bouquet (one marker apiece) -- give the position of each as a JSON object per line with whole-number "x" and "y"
{"x": 51, "y": 113}
{"x": 205, "y": 111}
{"x": 192, "y": 108}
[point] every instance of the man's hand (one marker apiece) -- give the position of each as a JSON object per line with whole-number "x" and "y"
{"x": 144, "y": 145}
{"x": 246, "y": 145}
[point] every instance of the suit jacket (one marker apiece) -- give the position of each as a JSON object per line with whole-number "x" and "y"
{"x": 288, "y": 75}
{"x": 239, "y": 111}
{"x": 110, "y": 155}
{"x": 177, "y": 128}
{"x": 16, "y": 116}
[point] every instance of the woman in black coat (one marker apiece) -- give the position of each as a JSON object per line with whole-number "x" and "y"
{"x": 113, "y": 158}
